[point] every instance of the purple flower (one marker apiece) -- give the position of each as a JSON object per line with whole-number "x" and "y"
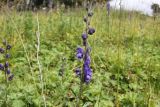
{"x": 84, "y": 36}
{"x": 87, "y": 60}
{"x": 10, "y": 77}
{"x": 86, "y": 67}
{"x": 1, "y": 67}
{"x": 87, "y": 73}
{"x": 7, "y": 55}
{"x": 91, "y": 31}
{"x": 84, "y": 42}
{"x": 1, "y": 50}
{"x": 79, "y": 53}
{"x": 78, "y": 71}
{"x": 8, "y": 71}
{"x": 9, "y": 47}
{"x": 6, "y": 64}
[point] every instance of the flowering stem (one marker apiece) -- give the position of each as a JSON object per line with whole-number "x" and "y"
{"x": 23, "y": 45}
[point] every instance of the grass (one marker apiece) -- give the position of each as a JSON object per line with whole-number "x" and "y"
{"x": 125, "y": 59}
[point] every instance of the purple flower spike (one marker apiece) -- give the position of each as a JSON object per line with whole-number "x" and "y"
{"x": 1, "y": 50}
{"x": 78, "y": 71}
{"x": 91, "y": 31}
{"x": 79, "y": 53}
{"x": 10, "y": 77}
{"x": 9, "y": 47}
{"x": 1, "y": 67}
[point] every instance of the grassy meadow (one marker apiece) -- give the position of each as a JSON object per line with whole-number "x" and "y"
{"x": 125, "y": 59}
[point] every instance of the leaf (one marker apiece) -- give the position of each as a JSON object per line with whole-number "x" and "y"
{"x": 18, "y": 103}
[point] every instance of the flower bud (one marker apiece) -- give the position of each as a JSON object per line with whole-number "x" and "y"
{"x": 1, "y": 50}
{"x": 8, "y": 71}
{"x": 1, "y": 67}
{"x": 84, "y": 36}
{"x": 7, "y": 55}
{"x": 90, "y": 14}
{"x": 10, "y": 77}
{"x": 91, "y": 31}
{"x": 9, "y": 47}
{"x": 6, "y": 65}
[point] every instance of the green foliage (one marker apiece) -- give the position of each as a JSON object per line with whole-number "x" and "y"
{"x": 125, "y": 59}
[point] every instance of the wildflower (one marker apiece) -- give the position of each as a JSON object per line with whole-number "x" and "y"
{"x": 8, "y": 47}
{"x": 79, "y": 53}
{"x": 87, "y": 73}
{"x": 6, "y": 64}
{"x": 7, "y": 55}
{"x": 78, "y": 71}
{"x": 85, "y": 53}
{"x": 1, "y": 50}
{"x": 8, "y": 71}
{"x": 1, "y": 67}
{"x": 91, "y": 31}
{"x": 10, "y": 77}
{"x": 84, "y": 36}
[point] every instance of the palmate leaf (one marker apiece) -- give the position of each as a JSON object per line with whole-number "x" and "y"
{"x": 104, "y": 103}
{"x": 18, "y": 103}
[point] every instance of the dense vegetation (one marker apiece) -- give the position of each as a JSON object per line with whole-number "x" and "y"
{"x": 125, "y": 59}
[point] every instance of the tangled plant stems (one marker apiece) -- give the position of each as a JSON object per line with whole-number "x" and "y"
{"x": 4, "y": 66}
{"x": 83, "y": 53}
